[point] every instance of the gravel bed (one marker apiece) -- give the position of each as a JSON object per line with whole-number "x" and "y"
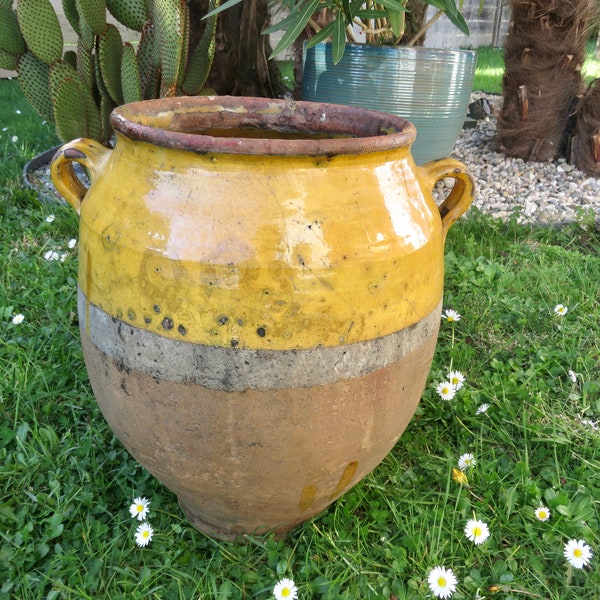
{"x": 542, "y": 192}
{"x": 549, "y": 192}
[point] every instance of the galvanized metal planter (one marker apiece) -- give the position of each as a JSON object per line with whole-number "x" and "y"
{"x": 429, "y": 87}
{"x": 260, "y": 286}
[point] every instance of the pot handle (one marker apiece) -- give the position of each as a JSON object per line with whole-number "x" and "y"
{"x": 89, "y": 153}
{"x": 461, "y": 196}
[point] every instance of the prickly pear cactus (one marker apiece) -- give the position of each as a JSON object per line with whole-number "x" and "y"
{"x": 77, "y": 89}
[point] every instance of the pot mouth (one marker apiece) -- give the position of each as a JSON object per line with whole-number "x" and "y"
{"x": 243, "y": 125}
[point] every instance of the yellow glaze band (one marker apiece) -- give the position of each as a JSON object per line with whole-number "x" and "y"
{"x": 261, "y": 252}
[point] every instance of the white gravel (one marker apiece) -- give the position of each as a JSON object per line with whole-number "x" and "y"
{"x": 546, "y": 192}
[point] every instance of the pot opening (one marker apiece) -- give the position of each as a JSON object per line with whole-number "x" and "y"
{"x": 261, "y": 126}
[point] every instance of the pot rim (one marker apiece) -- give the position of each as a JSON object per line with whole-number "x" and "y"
{"x": 169, "y": 122}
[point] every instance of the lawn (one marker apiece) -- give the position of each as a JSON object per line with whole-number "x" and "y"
{"x": 525, "y": 427}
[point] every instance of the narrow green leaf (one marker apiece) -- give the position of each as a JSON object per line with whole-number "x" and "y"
{"x": 321, "y": 36}
{"x": 296, "y": 22}
{"x": 221, "y": 8}
{"x": 338, "y": 42}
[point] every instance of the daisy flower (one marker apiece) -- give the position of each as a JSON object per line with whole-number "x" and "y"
{"x": 139, "y": 509}
{"x": 456, "y": 378}
{"x": 51, "y": 255}
{"x": 50, "y": 218}
{"x": 573, "y": 376}
{"x": 577, "y": 553}
{"x": 446, "y": 390}
{"x": 560, "y": 310}
{"x": 18, "y": 319}
{"x": 442, "y": 582}
{"x": 466, "y": 461}
{"x": 542, "y": 513}
{"x": 450, "y": 315}
{"x": 285, "y": 589}
{"x": 482, "y": 408}
{"x": 477, "y": 531}
{"x": 143, "y": 534}
{"x": 72, "y": 243}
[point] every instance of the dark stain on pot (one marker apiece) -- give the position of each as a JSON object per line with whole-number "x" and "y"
{"x": 122, "y": 367}
{"x": 156, "y": 308}
{"x": 261, "y": 332}
{"x": 147, "y": 320}
{"x": 123, "y": 386}
{"x": 222, "y": 319}
{"x": 234, "y": 343}
{"x": 131, "y": 314}
{"x": 167, "y": 323}
{"x": 182, "y": 330}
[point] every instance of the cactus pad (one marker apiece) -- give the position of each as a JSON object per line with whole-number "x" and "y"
{"x": 148, "y": 57}
{"x": 169, "y": 19}
{"x": 11, "y": 40}
{"x": 131, "y": 13}
{"x": 75, "y": 113}
{"x": 106, "y": 107}
{"x": 130, "y": 75}
{"x": 41, "y": 29}
{"x": 110, "y": 53}
{"x": 72, "y": 14}
{"x": 200, "y": 61}
{"x": 34, "y": 82}
{"x": 93, "y": 12}
{"x": 84, "y": 65}
{"x": 8, "y": 61}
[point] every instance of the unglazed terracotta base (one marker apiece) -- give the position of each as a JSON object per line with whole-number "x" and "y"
{"x": 255, "y": 460}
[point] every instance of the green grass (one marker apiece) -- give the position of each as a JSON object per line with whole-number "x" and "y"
{"x": 66, "y": 483}
{"x": 490, "y": 68}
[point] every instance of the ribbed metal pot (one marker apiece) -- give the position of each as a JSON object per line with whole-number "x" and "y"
{"x": 429, "y": 87}
{"x": 260, "y": 288}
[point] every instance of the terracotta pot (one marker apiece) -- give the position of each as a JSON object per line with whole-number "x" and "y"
{"x": 260, "y": 286}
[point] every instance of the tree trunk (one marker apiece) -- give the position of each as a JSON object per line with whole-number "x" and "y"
{"x": 585, "y": 145}
{"x": 241, "y": 66}
{"x": 544, "y": 52}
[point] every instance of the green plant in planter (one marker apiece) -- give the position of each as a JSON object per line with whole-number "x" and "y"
{"x": 382, "y": 22}
{"x": 77, "y": 90}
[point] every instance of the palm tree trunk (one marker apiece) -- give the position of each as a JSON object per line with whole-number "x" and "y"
{"x": 544, "y": 52}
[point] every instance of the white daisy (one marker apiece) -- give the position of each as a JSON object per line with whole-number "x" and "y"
{"x": 577, "y": 553}
{"x": 18, "y": 319}
{"x": 477, "y": 531}
{"x": 50, "y": 218}
{"x": 451, "y": 315}
{"x": 14, "y": 139}
{"x": 51, "y": 255}
{"x": 573, "y": 376}
{"x": 466, "y": 461}
{"x": 482, "y": 408}
{"x": 456, "y": 378}
{"x": 139, "y": 509}
{"x": 72, "y": 243}
{"x": 542, "y": 513}
{"x": 560, "y": 310}
{"x": 446, "y": 390}
{"x": 442, "y": 582}
{"x": 143, "y": 534}
{"x": 285, "y": 589}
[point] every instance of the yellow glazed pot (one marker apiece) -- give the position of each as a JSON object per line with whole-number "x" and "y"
{"x": 260, "y": 287}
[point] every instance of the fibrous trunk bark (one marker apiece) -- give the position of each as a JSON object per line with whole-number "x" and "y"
{"x": 585, "y": 145}
{"x": 544, "y": 52}
{"x": 241, "y": 66}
